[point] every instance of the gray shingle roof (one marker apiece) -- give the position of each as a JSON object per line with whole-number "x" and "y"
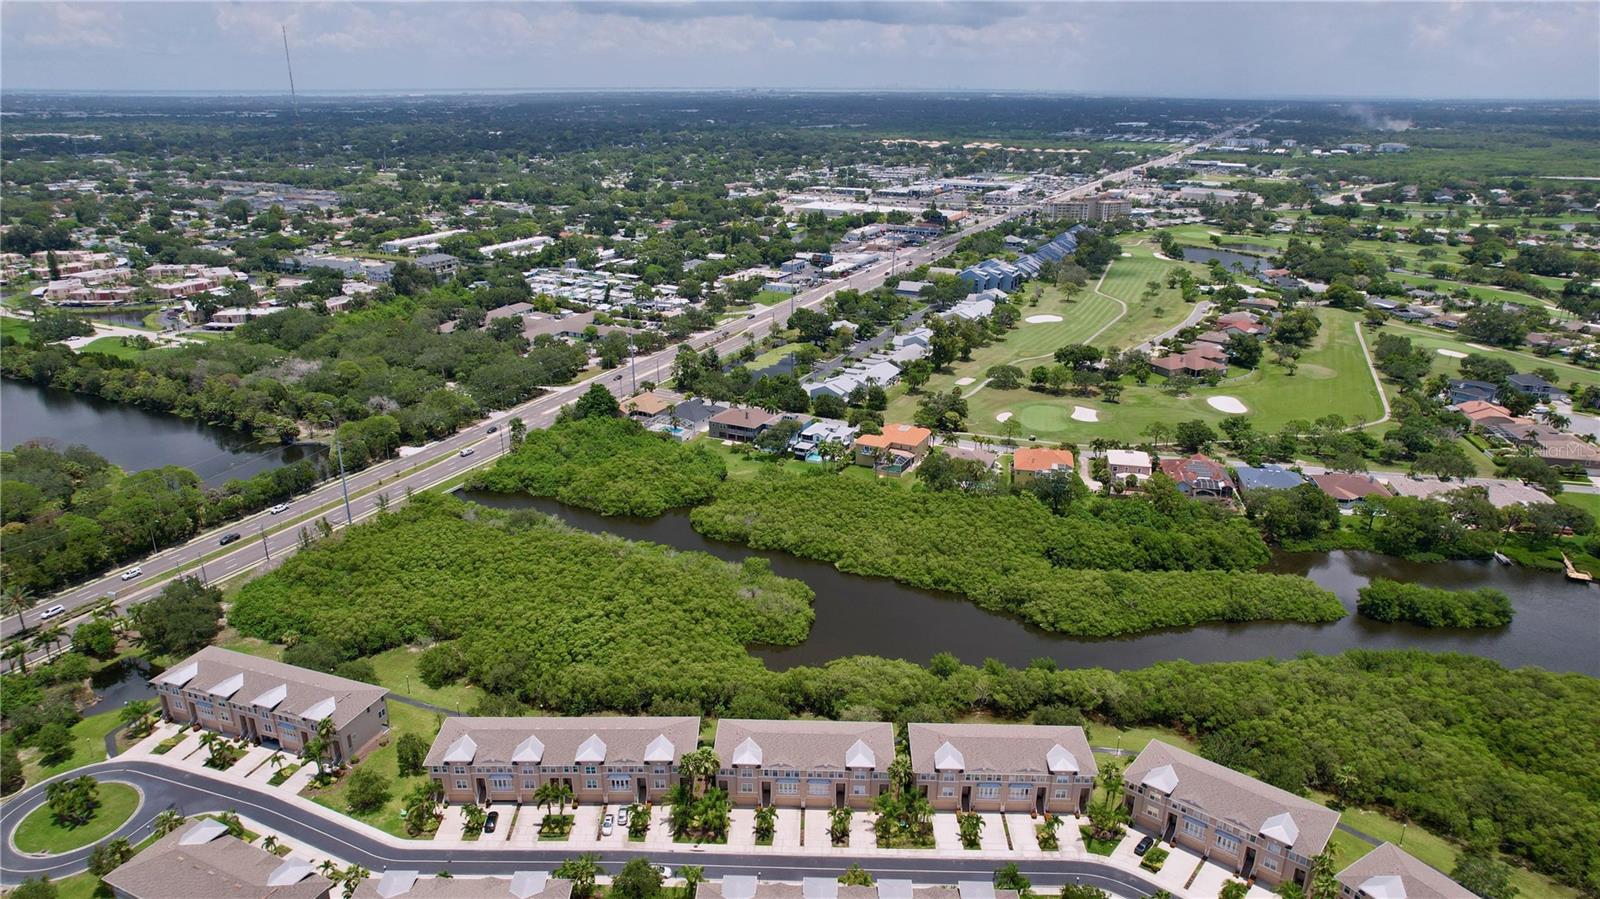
{"x": 806, "y": 745}
{"x": 1233, "y": 797}
{"x": 1000, "y": 748}
{"x": 556, "y": 741}
{"x": 390, "y": 886}
{"x": 740, "y": 888}
{"x": 1379, "y": 872}
{"x": 271, "y": 686}
{"x": 207, "y": 868}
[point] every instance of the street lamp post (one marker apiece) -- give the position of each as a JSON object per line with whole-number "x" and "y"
{"x": 344, "y": 487}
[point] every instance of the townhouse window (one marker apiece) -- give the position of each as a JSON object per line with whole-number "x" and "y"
{"x": 590, "y": 769}
{"x": 858, "y": 789}
{"x": 591, "y": 783}
{"x": 461, "y": 769}
{"x": 788, "y": 788}
{"x": 1063, "y": 780}
{"x": 818, "y": 787}
{"x": 1060, "y": 793}
{"x": 949, "y": 776}
{"x": 499, "y": 783}
{"x": 661, "y": 769}
{"x": 266, "y": 727}
{"x": 461, "y": 783}
{"x": 1227, "y": 843}
{"x": 1193, "y": 828}
{"x": 988, "y": 791}
{"x": 530, "y": 783}
{"x": 661, "y": 783}
{"x": 860, "y": 775}
{"x": 621, "y": 783}
{"x": 1271, "y": 862}
{"x": 1150, "y": 811}
{"x": 225, "y": 716}
{"x": 947, "y": 792}
{"x": 747, "y": 787}
{"x": 1021, "y": 791}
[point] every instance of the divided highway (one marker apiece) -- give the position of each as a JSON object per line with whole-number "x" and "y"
{"x": 267, "y": 538}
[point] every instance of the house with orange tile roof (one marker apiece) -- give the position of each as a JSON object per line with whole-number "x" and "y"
{"x": 1030, "y": 462}
{"x": 894, "y": 451}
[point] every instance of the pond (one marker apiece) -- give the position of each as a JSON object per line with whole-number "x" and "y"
{"x": 1557, "y": 624}
{"x": 120, "y": 683}
{"x": 135, "y": 439}
{"x": 1206, "y": 255}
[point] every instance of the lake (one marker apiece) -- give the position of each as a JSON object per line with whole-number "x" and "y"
{"x": 1557, "y": 625}
{"x": 135, "y": 439}
{"x": 1206, "y": 255}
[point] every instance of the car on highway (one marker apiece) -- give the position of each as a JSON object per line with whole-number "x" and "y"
{"x": 1144, "y": 845}
{"x": 132, "y": 573}
{"x": 606, "y": 825}
{"x": 491, "y": 822}
{"x": 492, "y": 429}
{"x": 280, "y": 507}
{"x": 465, "y": 452}
{"x": 228, "y": 538}
{"x": 52, "y": 612}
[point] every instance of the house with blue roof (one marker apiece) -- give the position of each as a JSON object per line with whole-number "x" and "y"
{"x": 1266, "y": 477}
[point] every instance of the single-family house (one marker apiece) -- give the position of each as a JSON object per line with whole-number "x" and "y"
{"x": 272, "y": 704}
{"x": 1129, "y": 462}
{"x": 1259, "y": 304}
{"x": 1266, "y": 477}
{"x": 1030, "y": 462}
{"x": 1003, "y": 767}
{"x": 895, "y": 450}
{"x": 821, "y": 432}
{"x": 1534, "y": 386}
{"x": 201, "y": 860}
{"x": 1193, "y": 363}
{"x": 1389, "y": 872}
{"x": 741, "y": 423}
{"x": 910, "y": 288}
{"x": 648, "y": 405}
{"x": 983, "y": 457}
{"x": 1199, "y": 476}
{"x": 1349, "y": 488}
{"x": 804, "y": 763}
{"x": 602, "y": 759}
{"x": 1249, "y": 827}
{"x": 1462, "y": 391}
{"x": 1566, "y": 450}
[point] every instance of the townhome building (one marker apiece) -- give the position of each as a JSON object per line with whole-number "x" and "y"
{"x": 415, "y": 885}
{"x": 272, "y": 704}
{"x": 1389, "y": 872}
{"x": 200, "y": 860}
{"x": 806, "y": 764}
{"x": 602, "y": 759}
{"x": 1251, "y": 828}
{"x": 1003, "y": 767}
{"x": 746, "y": 886}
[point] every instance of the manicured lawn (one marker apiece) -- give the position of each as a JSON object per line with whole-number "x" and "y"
{"x": 15, "y": 328}
{"x": 39, "y": 833}
{"x": 1434, "y": 340}
{"x": 1126, "y": 279}
{"x": 772, "y": 297}
{"x": 1332, "y": 378}
{"x": 397, "y": 670}
{"x": 230, "y": 639}
{"x": 1588, "y": 502}
{"x": 113, "y": 346}
{"x": 88, "y": 747}
{"x": 391, "y": 817}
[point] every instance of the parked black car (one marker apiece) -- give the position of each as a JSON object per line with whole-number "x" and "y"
{"x": 490, "y": 822}
{"x": 1144, "y": 845}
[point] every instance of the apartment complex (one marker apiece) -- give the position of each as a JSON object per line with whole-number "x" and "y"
{"x": 817, "y": 764}
{"x": 1102, "y": 208}
{"x": 1389, "y": 872}
{"x": 1236, "y": 821}
{"x": 272, "y": 704}
{"x": 200, "y": 860}
{"x": 618, "y": 760}
{"x": 1003, "y": 767}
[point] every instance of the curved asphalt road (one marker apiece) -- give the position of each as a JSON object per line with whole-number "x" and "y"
{"x": 191, "y": 793}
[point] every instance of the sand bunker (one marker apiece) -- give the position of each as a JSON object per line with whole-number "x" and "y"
{"x": 1004, "y": 416}
{"x": 1453, "y": 354}
{"x": 1127, "y": 255}
{"x": 962, "y": 382}
{"x": 1042, "y": 319}
{"x": 1084, "y": 413}
{"x": 1226, "y": 404}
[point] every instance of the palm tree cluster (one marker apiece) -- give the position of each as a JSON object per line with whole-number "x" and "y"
{"x": 905, "y": 816}
{"x": 556, "y": 793}
{"x": 970, "y": 827}
{"x": 699, "y": 818}
{"x": 839, "y": 824}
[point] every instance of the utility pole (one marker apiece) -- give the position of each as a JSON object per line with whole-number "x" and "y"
{"x": 262, "y": 529}
{"x": 338, "y": 449}
{"x": 633, "y": 370}
{"x": 203, "y": 578}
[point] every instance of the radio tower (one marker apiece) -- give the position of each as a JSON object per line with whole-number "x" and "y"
{"x": 294, "y": 98}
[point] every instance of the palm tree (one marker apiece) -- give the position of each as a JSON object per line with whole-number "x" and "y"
{"x": 970, "y": 825}
{"x": 270, "y": 843}
{"x": 17, "y": 601}
{"x": 328, "y": 869}
{"x": 350, "y": 878}
{"x": 693, "y": 876}
{"x": 766, "y": 823}
{"x": 46, "y": 638}
{"x": 277, "y": 760}
{"x": 18, "y": 651}
{"x": 839, "y": 824}
{"x": 168, "y": 821}
{"x": 700, "y": 766}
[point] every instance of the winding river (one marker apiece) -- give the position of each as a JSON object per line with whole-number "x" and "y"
{"x": 1557, "y": 624}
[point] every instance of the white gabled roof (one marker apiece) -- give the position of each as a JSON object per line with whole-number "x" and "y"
{"x": 860, "y": 755}
{"x": 1384, "y": 886}
{"x": 461, "y": 751}
{"x": 177, "y": 677}
{"x": 528, "y": 752}
{"x": 290, "y": 872}
{"x": 203, "y": 831}
{"x": 227, "y": 687}
{"x": 747, "y": 753}
{"x": 660, "y": 750}
{"x": 270, "y": 699}
{"x": 396, "y": 883}
{"x": 948, "y": 758}
{"x": 739, "y": 886}
{"x": 891, "y": 889}
{"x": 321, "y": 710}
{"x": 820, "y": 888}
{"x": 975, "y": 889}
{"x": 1162, "y": 778}
{"x": 528, "y": 883}
{"x": 592, "y": 750}
{"x": 1061, "y": 761}
{"x": 1281, "y": 827}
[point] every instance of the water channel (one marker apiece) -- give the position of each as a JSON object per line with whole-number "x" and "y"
{"x": 134, "y": 438}
{"x": 1557, "y": 625}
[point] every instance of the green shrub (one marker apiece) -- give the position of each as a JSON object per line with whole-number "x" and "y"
{"x": 1386, "y": 600}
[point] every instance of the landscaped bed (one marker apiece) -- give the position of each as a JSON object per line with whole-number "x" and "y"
{"x": 1097, "y": 846}
{"x": 40, "y": 833}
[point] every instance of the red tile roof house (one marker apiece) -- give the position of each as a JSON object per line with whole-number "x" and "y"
{"x": 1030, "y": 462}
{"x": 741, "y": 423}
{"x": 1191, "y": 363}
{"x": 1199, "y": 476}
{"x": 1253, "y": 829}
{"x": 894, "y": 451}
{"x": 1240, "y": 323}
{"x": 1019, "y": 768}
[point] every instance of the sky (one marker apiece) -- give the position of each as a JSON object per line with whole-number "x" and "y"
{"x": 1190, "y": 49}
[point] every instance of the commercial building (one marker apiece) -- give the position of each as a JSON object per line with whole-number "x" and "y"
{"x": 272, "y": 704}
{"x": 1252, "y": 828}
{"x": 201, "y": 861}
{"x": 1003, "y": 767}
{"x": 420, "y": 242}
{"x": 1100, "y": 208}
{"x": 1389, "y": 872}
{"x": 522, "y": 245}
{"x": 602, "y": 759}
{"x": 815, "y": 764}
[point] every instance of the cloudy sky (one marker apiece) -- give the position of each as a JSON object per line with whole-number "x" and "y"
{"x": 1235, "y": 49}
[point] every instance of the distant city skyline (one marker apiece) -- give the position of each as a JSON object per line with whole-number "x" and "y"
{"x": 1244, "y": 50}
